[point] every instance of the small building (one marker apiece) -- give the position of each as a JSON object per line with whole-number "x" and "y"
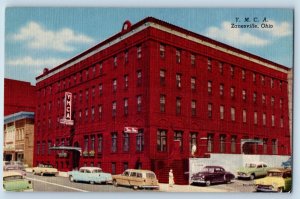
{"x": 18, "y": 137}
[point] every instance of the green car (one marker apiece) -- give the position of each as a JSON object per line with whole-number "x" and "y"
{"x": 277, "y": 180}
{"x": 14, "y": 181}
{"x": 253, "y": 170}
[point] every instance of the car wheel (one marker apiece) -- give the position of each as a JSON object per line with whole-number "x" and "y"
{"x": 42, "y": 174}
{"x": 71, "y": 178}
{"x": 252, "y": 176}
{"x": 115, "y": 183}
{"x": 207, "y": 183}
{"x": 280, "y": 189}
{"x": 135, "y": 187}
{"x": 33, "y": 172}
{"x": 92, "y": 182}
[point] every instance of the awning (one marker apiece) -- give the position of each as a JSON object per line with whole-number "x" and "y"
{"x": 70, "y": 148}
{"x": 251, "y": 141}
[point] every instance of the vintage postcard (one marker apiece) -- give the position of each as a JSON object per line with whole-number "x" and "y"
{"x": 148, "y": 99}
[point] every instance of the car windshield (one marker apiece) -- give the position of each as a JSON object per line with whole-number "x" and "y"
{"x": 48, "y": 166}
{"x": 275, "y": 174}
{"x": 250, "y": 165}
{"x": 207, "y": 169}
{"x": 11, "y": 178}
{"x": 97, "y": 171}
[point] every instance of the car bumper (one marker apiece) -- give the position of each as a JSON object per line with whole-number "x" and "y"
{"x": 150, "y": 186}
{"x": 198, "y": 181}
{"x": 264, "y": 189}
{"x": 28, "y": 190}
{"x": 243, "y": 176}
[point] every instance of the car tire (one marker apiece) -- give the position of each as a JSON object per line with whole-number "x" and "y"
{"x": 252, "y": 176}
{"x": 280, "y": 190}
{"x": 92, "y": 182}
{"x": 207, "y": 183}
{"x": 135, "y": 187}
{"x": 71, "y": 178}
{"x": 42, "y": 174}
{"x": 227, "y": 179}
{"x": 115, "y": 183}
{"x": 33, "y": 172}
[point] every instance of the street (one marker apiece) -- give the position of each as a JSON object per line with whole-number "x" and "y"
{"x": 62, "y": 184}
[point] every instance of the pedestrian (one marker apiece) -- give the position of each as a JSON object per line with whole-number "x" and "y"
{"x": 171, "y": 178}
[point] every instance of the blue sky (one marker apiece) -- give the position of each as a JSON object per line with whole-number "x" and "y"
{"x": 45, "y": 37}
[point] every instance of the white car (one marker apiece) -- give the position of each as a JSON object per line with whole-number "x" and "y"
{"x": 43, "y": 169}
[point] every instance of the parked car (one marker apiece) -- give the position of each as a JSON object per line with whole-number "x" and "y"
{"x": 253, "y": 170}
{"x": 287, "y": 164}
{"x": 91, "y": 175}
{"x": 15, "y": 167}
{"x": 136, "y": 178}
{"x": 43, "y": 169}
{"x": 14, "y": 181}
{"x": 212, "y": 174}
{"x": 277, "y": 180}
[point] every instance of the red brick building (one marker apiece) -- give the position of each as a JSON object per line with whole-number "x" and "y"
{"x": 177, "y": 87}
{"x": 18, "y": 96}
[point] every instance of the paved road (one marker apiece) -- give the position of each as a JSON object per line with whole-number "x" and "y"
{"x": 62, "y": 184}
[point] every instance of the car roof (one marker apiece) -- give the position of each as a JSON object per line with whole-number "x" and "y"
{"x": 213, "y": 166}
{"x": 279, "y": 170}
{"x": 90, "y": 168}
{"x": 139, "y": 170}
{"x": 11, "y": 173}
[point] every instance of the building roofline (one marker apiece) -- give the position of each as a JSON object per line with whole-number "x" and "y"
{"x": 18, "y": 116}
{"x": 170, "y": 26}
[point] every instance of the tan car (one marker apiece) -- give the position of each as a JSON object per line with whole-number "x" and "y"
{"x": 44, "y": 169}
{"x": 136, "y": 179}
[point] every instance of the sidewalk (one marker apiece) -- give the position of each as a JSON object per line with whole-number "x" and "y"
{"x": 187, "y": 188}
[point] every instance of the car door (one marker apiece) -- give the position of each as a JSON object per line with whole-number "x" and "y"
{"x": 218, "y": 175}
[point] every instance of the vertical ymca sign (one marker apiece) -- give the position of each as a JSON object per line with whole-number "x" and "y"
{"x": 68, "y": 110}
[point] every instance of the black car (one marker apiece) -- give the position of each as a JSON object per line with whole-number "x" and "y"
{"x": 212, "y": 174}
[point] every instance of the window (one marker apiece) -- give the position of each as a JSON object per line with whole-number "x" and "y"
{"x": 178, "y": 80}
{"x": 264, "y": 119}
{"x": 255, "y": 118}
{"x": 193, "y": 83}
{"x": 162, "y": 50}
{"x": 244, "y": 95}
{"x": 43, "y": 148}
{"x": 38, "y": 148}
{"x": 178, "y": 105}
{"x": 209, "y": 109}
{"x": 126, "y": 81}
{"x": 162, "y": 103}
{"x": 139, "y": 103}
{"x": 281, "y": 122}
{"x": 115, "y": 61}
{"x": 193, "y": 107}
{"x": 93, "y": 113}
{"x": 94, "y": 71}
{"x": 87, "y": 94}
{"x": 244, "y": 116}
{"x": 232, "y": 92}
{"x": 193, "y": 139}
{"x": 280, "y": 103}
{"x": 193, "y": 60}
{"x": 100, "y": 89}
{"x": 243, "y": 75}
{"x": 92, "y": 148}
{"x": 254, "y": 97}
{"x": 114, "y": 137}
{"x": 125, "y": 106}
{"x": 221, "y": 68}
{"x": 209, "y": 67}
{"x": 178, "y": 137}
{"x": 254, "y": 77}
{"x": 280, "y": 85}
{"x": 161, "y": 140}
{"x": 272, "y": 101}
{"x": 233, "y": 144}
{"x": 93, "y": 91}
{"x": 100, "y": 111}
{"x": 114, "y": 85}
{"x": 139, "y": 77}
{"x": 87, "y": 74}
{"x": 86, "y": 114}
{"x": 272, "y": 83}
{"x": 114, "y": 108}
{"x": 262, "y": 80}
{"x": 140, "y": 140}
{"x": 210, "y": 141}
{"x": 100, "y": 68}
{"x": 221, "y": 112}
{"x": 178, "y": 56}
{"x": 209, "y": 87}
{"x": 263, "y": 98}
{"x": 265, "y": 146}
{"x": 162, "y": 75}
{"x": 125, "y": 166}
{"x": 221, "y": 90}
{"x": 79, "y": 115}
{"x": 86, "y": 143}
{"x": 125, "y": 142}
{"x": 222, "y": 144}
{"x": 273, "y": 120}
{"x": 126, "y": 56}
{"x": 274, "y": 147}
{"x": 100, "y": 143}
{"x": 49, "y": 106}
{"x": 232, "y": 71}
{"x": 139, "y": 52}
{"x": 232, "y": 113}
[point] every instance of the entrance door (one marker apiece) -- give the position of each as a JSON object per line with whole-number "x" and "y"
{"x": 76, "y": 157}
